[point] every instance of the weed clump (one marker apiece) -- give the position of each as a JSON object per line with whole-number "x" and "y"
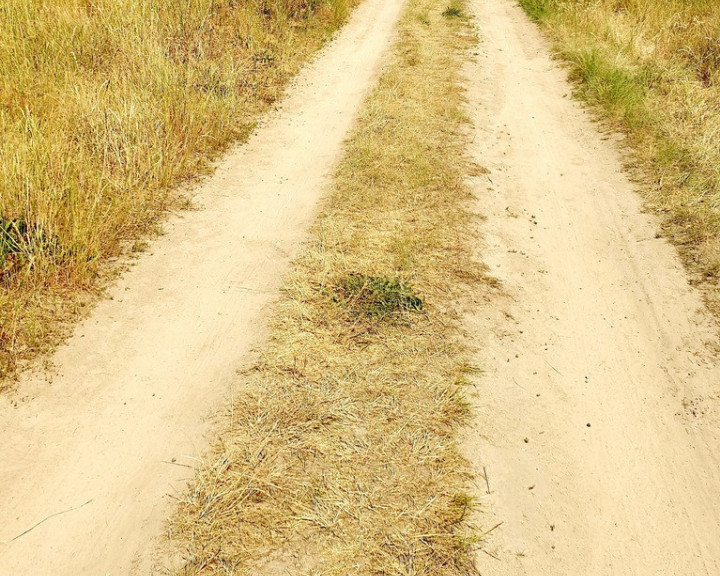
{"x": 453, "y": 11}
{"x": 376, "y": 297}
{"x": 20, "y": 242}
{"x": 12, "y": 233}
{"x": 539, "y": 9}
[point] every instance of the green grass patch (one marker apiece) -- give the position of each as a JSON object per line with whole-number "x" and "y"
{"x": 538, "y": 9}
{"x": 376, "y": 298}
{"x": 611, "y": 85}
{"x": 453, "y": 11}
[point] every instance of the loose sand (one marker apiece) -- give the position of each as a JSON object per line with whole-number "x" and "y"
{"x": 598, "y": 413}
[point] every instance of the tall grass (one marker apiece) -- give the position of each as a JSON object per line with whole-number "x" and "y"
{"x": 106, "y": 105}
{"x": 652, "y": 67}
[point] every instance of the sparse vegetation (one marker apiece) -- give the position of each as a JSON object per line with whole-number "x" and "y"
{"x": 105, "y": 105}
{"x": 652, "y": 68}
{"x": 340, "y": 453}
{"x": 453, "y": 11}
{"x": 537, "y": 9}
{"x": 376, "y": 298}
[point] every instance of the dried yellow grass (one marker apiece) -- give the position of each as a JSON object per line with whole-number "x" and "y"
{"x": 340, "y": 455}
{"x": 105, "y": 106}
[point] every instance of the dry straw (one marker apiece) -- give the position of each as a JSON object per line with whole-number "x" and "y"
{"x": 341, "y": 452}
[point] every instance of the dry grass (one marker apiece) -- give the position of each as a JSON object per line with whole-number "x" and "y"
{"x": 340, "y": 456}
{"x": 652, "y": 68}
{"x": 105, "y": 106}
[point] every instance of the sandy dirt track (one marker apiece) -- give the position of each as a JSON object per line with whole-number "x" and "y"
{"x": 95, "y": 446}
{"x": 598, "y": 412}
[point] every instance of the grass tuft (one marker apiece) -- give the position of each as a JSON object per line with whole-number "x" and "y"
{"x": 538, "y": 9}
{"x": 376, "y": 298}
{"x": 453, "y": 11}
{"x": 620, "y": 90}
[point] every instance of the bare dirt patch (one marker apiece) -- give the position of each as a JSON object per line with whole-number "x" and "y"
{"x": 595, "y": 410}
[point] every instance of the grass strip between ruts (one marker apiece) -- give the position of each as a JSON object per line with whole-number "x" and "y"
{"x": 340, "y": 455}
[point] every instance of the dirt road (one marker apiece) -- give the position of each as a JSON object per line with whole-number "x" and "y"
{"x": 598, "y": 419}
{"x": 599, "y": 409}
{"x": 91, "y": 450}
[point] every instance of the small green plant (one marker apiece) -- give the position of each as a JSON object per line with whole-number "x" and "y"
{"x": 376, "y": 297}
{"x": 11, "y": 236}
{"x": 453, "y": 11}
{"x": 538, "y": 9}
{"x": 21, "y": 243}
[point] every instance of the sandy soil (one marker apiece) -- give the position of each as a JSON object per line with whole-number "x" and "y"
{"x": 599, "y": 409}
{"x": 91, "y": 449}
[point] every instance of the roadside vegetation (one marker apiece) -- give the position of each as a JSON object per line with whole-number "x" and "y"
{"x": 105, "y": 107}
{"x": 652, "y": 69}
{"x": 339, "y": 454}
